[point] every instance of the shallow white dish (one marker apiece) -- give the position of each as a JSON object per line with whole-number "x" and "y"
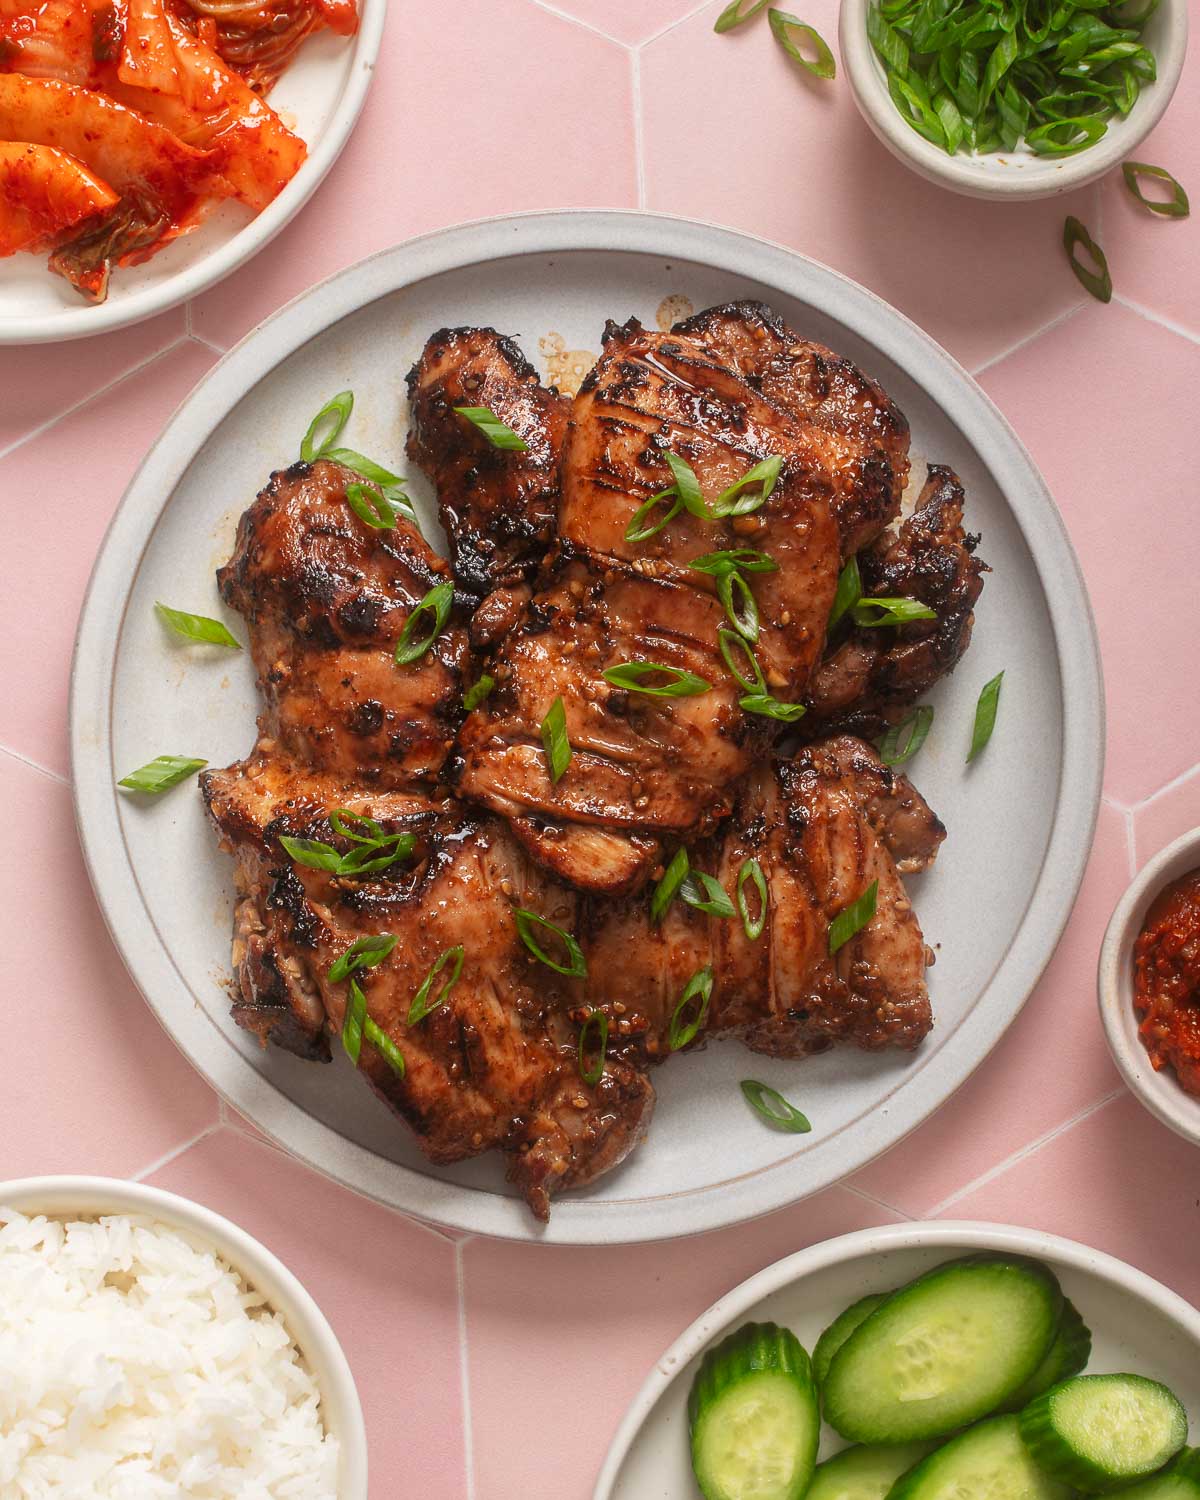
{"x": 1159, "y": 1092}
{"x": 1137, "y": 1324}
{"x": 83, "y": 1197}
{"x": 319, "y": 97}
{"x": 1020, "y": 174}
{"x": 1021, "y": 818}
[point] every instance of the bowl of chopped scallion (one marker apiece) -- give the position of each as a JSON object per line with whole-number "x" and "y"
{"x": 1012, "y": 98}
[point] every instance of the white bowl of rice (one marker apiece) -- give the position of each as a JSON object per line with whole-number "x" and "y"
{"x": 150, "y": 1349}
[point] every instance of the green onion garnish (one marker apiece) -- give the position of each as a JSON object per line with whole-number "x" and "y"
{"x": 763, "y": 477}
{"x": 1174, "y": 207}
{"x": 869, "y": 614}
{"x": 632, "y": 675}
{"x": 554, "y": 738}
{"x": 575, "y": 966}
{"x": 699, "y": 987}
{"x": 751, "y": 872}
{"x": 366, "y": 953}
{"x": 742, "y": 613}
{"x": 744, "y": 559}
{"x": 985, "y": 715}
{"x": 340, "y": 819}
{"x": 903, "y": 740}
{"x": 326, "y": 427}
{"x": 668, "y": 887}
{"x": 161, "y": 774}
{"x": 478, "y": 691}
{"x": 311, "y": 853}
{"x": 384, "y": 1045}
{"x": 370, "y": 505}
{"x": 821, "y": 65}
{"x": 687, "y": 486}
{"x": 374, "y": 473}
{"x": 768, "y": 707}
{"x": 437, "y": 602}
{"x": 733, "y": 15}
{"x": 774, "y": 1108}
{"x": 638, "y": 531}
{"x": 706, "y": 894}
{"x": 592, "y": 1072}
{"x": 352, "y": 1026}
{"x": 421, "y": 1004}
{"x": 368, "y": 857}
{"x": 371, "y": 859}
{"x": 849, "y": 592}
{"x": 731, "y": 644}
{"x": 1098, "y": 281}
{"x": 497, "y": 432}
{"x": 853, "y": 918}
{"x": 198, "y": 627}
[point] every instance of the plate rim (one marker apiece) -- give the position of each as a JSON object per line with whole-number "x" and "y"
{"x": 189, "y": 282}
{"x": 584, "y": 1221}
{"x": 965, "y": 1234}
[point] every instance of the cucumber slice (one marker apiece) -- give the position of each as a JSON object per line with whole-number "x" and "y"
{"x": 753, "y": 1417}
{"x": 943, "y": 1351}
{"x": 1067, "y": 1355}
{"x": 1180, "y": 1480}
{"x": 861, "y": 1473}
{"x": 840, "y": 1330}
{"x": 1098, "y": 1431}
{"x": 987, "y": 1462}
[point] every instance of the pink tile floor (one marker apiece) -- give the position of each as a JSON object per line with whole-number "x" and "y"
{"x": 460, "y": 1345}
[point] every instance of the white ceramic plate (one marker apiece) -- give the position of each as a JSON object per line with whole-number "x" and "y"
{"x": 319, "y": 97}
{"x": 1020, "y": 818}
{"x": 1136, "y": 1323}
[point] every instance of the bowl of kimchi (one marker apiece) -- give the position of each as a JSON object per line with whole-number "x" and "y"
{"x": 149, "y": 147}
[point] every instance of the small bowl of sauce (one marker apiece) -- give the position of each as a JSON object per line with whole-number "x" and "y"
{"x": 1149, "y": 986}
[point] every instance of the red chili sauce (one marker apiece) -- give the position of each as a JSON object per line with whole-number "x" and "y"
{"x": 1166, "y": 980}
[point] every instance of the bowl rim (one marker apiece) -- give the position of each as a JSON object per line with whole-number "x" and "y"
{"x": 84, "y": 1196}
{"x": 1038, "y": 177}
{"x": 1160, "y": 1091}
{"x": 961, "y": 1234}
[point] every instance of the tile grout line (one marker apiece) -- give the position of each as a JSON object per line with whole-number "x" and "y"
{"x": 553, "y": 10}
{"x": 1130, "y": 841}
{"x": 1029, "y": 338}
{"x": 671, "y": 25}
{"x": 34, "y": 765}
{"x": 87, "y": 400}
{"x": 1152, "y": 317}
{"x": 173, "y": 1155}
{"x": 891, "y": 1208}
{"x": 198, "y": 338}
{"x": 1171, "y": 786}
{"x": 1001, "y": 1168}
{"x": 639, "y": 138}
{"x": 464, "y": 1368}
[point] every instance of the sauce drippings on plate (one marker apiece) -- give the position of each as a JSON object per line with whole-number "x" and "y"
{"x": 1166, "y": 968}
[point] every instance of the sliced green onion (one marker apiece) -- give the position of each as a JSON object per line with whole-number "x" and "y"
{"x": 774, "y": 1108}
{"x": 311, "y": 853}
{"x": 768, "y": 707}
{"x": 498, "y": 433}
{"x": 1175, "y": 207}
{"x": 887, "y": 41}
{"x": 370, "y": 505}
{"x": 730, "y": 641}
{"x": 853, "y": 918}
{"x": 915, "y": 109}
{"x": 373, "y": 859}
{"x": 871, "y": 613}
{"x": 638, "y": 531}
{"x": 849, "y": 592}
{"x": 478, "y": 691}
{"x": 437, "y": 602}
{"x": 326, "y": 427}
{"x": 366, "y": 953}
{"x": 733, "y": 14}
{"x": 668, "y": 887}
{"x": 1065, "y": 137}
{"x": 554, "y": 738}
{"x": 161, "y": 774}
{"x": 687, "y": 486}
{"x": 699, "y": 987}
{"x": 575, "y": 966}
{"x": 764, "y": 476}
{"x": 903, "y": 740}
{"x": 743, "y": 612}
{"x": 592, "y": 1072}
{"x": 1098, "y": 282}
{"x": 421, "y": 1004}
{"x": 386, "y": 1048}
{"x": 632, "y": 675}
{"x": 341, "y": 817}
{"x": 352, "y": 1026}
{"x": 822, "y": 64}
{"x": 706, "y": 894}
{"x": 198, "y": 627}
{"x": 985, "y": 715}
{"x": 744, "y": 559}
{"x": 952, "y": 121}
{"x": 751, "y": 873}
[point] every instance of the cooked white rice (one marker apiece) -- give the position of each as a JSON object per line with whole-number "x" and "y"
{"x": 134, "y": 1366}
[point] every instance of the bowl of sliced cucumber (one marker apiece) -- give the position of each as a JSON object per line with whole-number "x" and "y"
{"x": 924, "y": 1362}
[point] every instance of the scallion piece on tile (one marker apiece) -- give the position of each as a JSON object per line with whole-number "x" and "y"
{"x": 1174, "y": 207}
{"x": 787, "y": 28}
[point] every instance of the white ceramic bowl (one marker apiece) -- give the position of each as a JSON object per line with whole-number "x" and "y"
{"x": 1136, "y": 1323}
{"x": 1159, "y": 1092}
{"x": 1019, "y": 174}
{"x": 84, "y": 1197}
